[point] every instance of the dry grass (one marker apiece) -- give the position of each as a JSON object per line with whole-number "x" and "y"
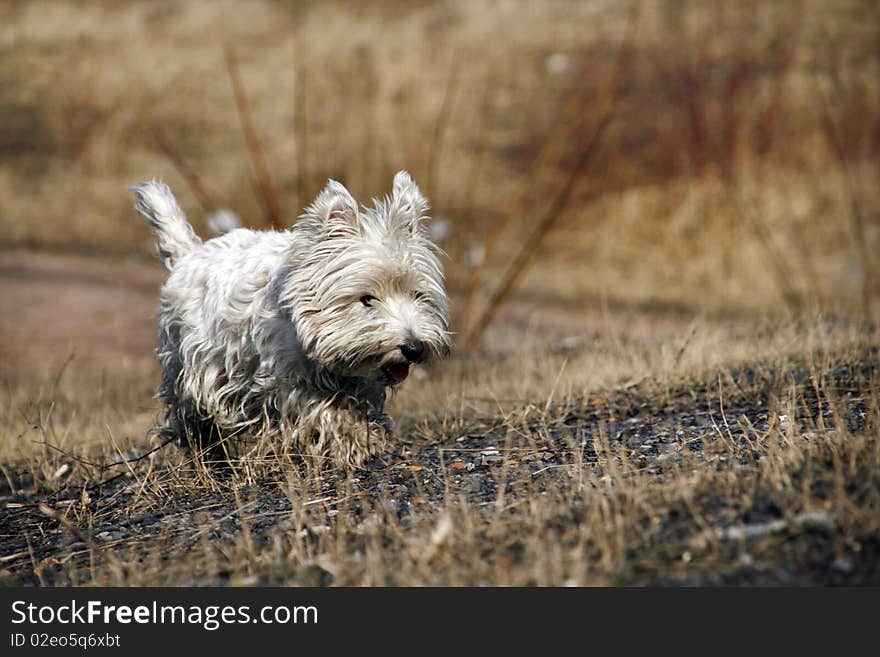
{"x": 661, "y": 222}
{"x": 717, "y": 457}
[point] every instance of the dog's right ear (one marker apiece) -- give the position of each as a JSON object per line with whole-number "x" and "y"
{"x": 333, "y": 212}
{"x": 408, "y": 205}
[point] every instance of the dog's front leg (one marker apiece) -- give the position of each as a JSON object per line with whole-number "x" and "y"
{"x": 346, "y": 436}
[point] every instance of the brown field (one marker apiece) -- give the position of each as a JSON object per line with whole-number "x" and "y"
{"x": 662, "y": 222}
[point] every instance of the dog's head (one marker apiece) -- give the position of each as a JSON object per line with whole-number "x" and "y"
{"x": 365, "y": 288}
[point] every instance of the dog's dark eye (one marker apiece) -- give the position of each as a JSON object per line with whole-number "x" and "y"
{"x": 368, "y": 299}
{"x": 418, "y": 295}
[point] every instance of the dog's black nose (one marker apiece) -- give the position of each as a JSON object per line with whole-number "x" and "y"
{"x": 413, "y": 350}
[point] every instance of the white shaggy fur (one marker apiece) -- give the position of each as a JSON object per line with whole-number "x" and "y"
{"x": 297, "y": 334}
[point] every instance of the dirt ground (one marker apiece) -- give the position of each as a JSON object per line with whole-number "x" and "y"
{"x": 100, "y": 311}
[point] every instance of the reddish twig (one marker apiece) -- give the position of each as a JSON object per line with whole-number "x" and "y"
{"x": 261, "y": 172}
{"x": 531, "y": 246}
{"x": 173, "y": 155}
{"x": 440, "y": 126}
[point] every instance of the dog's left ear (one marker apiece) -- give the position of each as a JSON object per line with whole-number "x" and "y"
{"x": 408, "y": 205}
{"x": 334, "y": 211}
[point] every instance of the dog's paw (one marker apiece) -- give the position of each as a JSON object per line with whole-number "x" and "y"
{"x": 388, "y": 424}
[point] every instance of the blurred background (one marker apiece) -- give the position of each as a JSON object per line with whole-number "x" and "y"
{"x": 647, "y": 159}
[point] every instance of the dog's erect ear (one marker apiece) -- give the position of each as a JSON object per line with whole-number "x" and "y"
{"x": 408, "y": 205}
{"x": 334, "y": 210}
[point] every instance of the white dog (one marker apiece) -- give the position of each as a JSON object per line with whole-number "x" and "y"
{"x": 296, "y": 335}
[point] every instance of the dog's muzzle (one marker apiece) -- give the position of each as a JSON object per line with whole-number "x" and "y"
{"x": 396, "y": 372}
{"x": 413, "y": 351}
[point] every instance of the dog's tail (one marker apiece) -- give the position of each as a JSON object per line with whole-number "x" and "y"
{"x": 175, "y": 236}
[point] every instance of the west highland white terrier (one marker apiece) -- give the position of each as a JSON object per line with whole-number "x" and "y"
{"x": 297, "y": 335}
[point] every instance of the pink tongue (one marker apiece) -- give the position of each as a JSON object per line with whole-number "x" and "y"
{"x": 399, "y": 372}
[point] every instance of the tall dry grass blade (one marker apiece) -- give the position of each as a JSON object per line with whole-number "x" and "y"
{"x": 531, "y": 246}
{"x": 482, "y": 146}
{"x": 301, "y": 137}
{"x": 267, "y": 190}
{"x": 551, "y": 150}
{"x": 440, "y": 123}
{"x": 696, "y": 92}
{"x": 858, "y": 230}
{"x": 403, "y": 112}
{"x": 206, "y": 200}
{"x": 772, "y": 113}
{"x": 475, "y": 275}
{"x": 774, "y": 256}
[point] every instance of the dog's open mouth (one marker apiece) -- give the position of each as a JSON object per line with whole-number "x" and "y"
{"x": 396, "y": 372}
